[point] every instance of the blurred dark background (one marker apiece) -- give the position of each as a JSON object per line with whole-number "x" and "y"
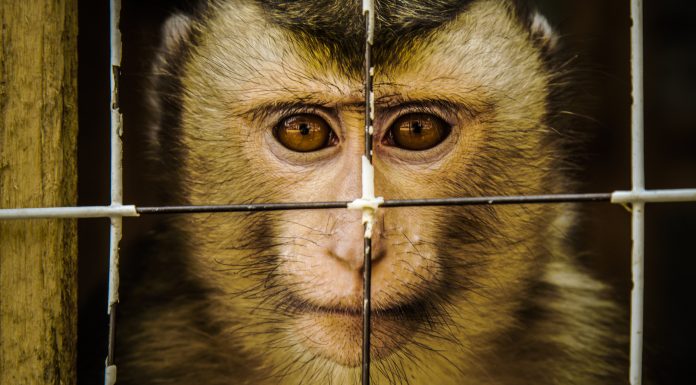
{"x": 597, "y": 30}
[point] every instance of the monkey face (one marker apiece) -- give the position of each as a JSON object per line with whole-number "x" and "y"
{"x": 271, "y": 115}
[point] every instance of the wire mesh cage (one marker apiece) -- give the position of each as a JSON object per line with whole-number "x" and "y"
{"x": 636, "y": 197}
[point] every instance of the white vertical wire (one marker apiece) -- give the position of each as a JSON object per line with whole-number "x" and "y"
{"x": 368, "y": 189}
{"x": 116, "y": 151}
{"x": 638, "y": 181}
{"x": 116, "y": 228}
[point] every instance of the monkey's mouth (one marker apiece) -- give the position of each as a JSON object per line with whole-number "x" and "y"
{"x": 335, "y": 333}
{"x": 412, "y": 311}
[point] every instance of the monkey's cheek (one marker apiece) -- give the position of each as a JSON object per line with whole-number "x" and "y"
{"x": 338, "y": 336}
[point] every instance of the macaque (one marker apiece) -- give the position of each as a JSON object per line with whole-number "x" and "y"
{"x": 262, "y": 101}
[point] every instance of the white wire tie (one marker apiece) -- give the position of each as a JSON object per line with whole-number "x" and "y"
{"x": 369, "y": 207}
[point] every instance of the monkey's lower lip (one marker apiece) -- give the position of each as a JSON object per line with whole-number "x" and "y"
{"x": 415, "y": 309}
{"x": 402, "y": 311}
{"x": 336, "y": 333}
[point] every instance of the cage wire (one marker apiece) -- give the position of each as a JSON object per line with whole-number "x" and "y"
{"x": 637, "y": 197}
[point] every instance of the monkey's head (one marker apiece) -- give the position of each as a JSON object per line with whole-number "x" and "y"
{"x": 262, "y": 101}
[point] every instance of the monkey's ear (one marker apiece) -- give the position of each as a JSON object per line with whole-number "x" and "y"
{"x": 176, "y": 32}
{"x": 542, "y": 32}
{"x": 163, "y": 90}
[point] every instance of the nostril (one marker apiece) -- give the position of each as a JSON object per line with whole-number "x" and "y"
{"x": 347, "y": 247}
{"x": 351, "y": 258}
{"x": 378, "y": 251}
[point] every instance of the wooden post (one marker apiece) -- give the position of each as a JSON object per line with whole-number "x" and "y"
{"x": 38, "y": 136}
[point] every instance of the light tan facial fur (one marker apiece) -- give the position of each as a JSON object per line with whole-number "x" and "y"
{"x": 451, "y": 286}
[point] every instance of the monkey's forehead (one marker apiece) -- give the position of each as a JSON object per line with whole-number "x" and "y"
{"x": 338, "y": 25}
{"x": 267, "y": 49}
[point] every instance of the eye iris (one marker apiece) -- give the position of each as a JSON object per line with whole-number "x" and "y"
{"x": 303, "y": 133}
{"x": 418, "y": 132}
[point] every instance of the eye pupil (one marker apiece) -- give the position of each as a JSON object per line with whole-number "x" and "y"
{"x": 304, "y": 129}
{"x": 416, "y": 127}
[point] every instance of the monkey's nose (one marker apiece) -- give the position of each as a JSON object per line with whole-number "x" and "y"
{"x": 348, "y": 246}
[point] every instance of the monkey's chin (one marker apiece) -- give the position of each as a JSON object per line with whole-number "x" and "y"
{"x": 337, "y": 335}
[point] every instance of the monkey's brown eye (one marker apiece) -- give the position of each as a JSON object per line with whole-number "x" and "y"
{"x": 304, "y": 133}
{"x": 417, "y": 132}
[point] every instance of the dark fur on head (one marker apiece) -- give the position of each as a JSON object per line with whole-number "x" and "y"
{"x": 340, "y": 25}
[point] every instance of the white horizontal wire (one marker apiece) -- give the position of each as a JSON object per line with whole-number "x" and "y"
{"x": 654, "y": 196}
{"x": 617, "y": 197}
{"x": 69, "y": 212}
